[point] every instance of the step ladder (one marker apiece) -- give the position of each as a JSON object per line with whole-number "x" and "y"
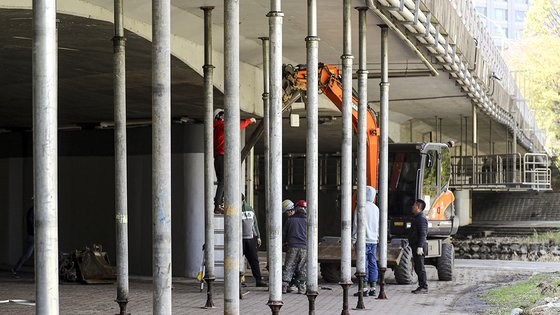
{"x": 219, "y": 247}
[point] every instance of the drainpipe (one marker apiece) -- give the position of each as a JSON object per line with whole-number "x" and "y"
{"x": 275, "y": 233}
{"x": 121, "y": 215}
{"x": 346, "y": 158}
{"x": 383, "y": 160}
{"x": 45, "y": 161}
{"x": 312, "y": 156}
{"x": 208, "y": 68}
{"x": 232, "y": 158}
{"x": 161, "y": 156}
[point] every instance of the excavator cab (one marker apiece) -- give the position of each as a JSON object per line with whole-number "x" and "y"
{"x": 420, "y": 171}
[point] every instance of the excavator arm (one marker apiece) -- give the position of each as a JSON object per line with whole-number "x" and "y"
{"x": 330, "y": 84}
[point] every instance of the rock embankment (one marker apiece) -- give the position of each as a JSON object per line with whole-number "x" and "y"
{"x": 506, "y": 250}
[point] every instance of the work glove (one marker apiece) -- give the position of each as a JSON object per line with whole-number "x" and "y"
{"x": 259, "y": 242}
{"x": 253, "y": 120}
{"x": 420, "y": 251}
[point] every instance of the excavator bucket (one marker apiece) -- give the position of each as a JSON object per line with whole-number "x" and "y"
{"x": 93, "y": 266}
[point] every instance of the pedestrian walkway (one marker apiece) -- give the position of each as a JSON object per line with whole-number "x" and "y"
{"x": 456, "y": 297}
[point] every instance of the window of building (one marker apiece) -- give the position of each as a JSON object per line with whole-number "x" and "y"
{"x": 481, "y": 10}
{"x": 499, "y": 31}
{"x": 522, "y": 1}
{"x": 503, "y": 31}
{"x": 520, "y": 16}
{"x": 501, "y": 14}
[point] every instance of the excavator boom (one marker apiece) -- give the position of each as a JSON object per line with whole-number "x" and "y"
{"x": 330, "y": 84}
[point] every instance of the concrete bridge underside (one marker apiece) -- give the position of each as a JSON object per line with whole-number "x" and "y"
{"x": 85, "y": 85}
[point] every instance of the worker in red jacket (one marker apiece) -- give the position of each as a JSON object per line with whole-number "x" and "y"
{"x": 219, "y": 155}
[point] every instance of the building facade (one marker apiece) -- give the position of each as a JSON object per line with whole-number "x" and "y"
{"x": 505, "y": 18}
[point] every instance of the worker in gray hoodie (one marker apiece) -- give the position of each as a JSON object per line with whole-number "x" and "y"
{"x": 372, "y": 238}
{"x": 251, "y": 240}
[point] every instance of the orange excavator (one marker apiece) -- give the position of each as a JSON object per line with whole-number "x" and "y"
{"x": 416, "y": 170}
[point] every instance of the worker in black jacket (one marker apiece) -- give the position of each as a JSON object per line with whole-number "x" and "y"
{"x": 418, "y": 244}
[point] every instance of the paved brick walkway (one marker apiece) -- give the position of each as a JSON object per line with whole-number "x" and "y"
{"x": 456, "y": 297}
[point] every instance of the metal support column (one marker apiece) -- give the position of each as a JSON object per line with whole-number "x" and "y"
{"x": 346, "y": 159}
{"x": 250, "y": 178}
{"x": 410, "y": 130}
{"x": 362, "y": 142}
{"x": 383, "y": 160}
{"x": 436, "y": 136}
{"x": 275, "y": 207}
{"x": 514, "y": 151}
{"x": 208, "y": 69}
{"x": 466, "y": 136}
{"x": 232, "y": 157}
{"x": 45, "y": 152}
{"x": 461, "y": 147}
{"x": 121, "y": 209}
{"x": 514, "y": 145}
{"x": 440, "y": 130}
{"x": 266, "y": 138}
{"x": 474, "y": 151}
{"x": 312, "y": 156}
{"x": 508, "y": 148}
{"x": 161, "y": 156}
{"x": 490, "y": 149}
{"x": 242, "y": 191}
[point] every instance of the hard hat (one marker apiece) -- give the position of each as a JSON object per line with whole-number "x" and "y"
{"x": 301, "y": 203}
{"x": 287, "y": 205}
{"x": 218, "y": 112}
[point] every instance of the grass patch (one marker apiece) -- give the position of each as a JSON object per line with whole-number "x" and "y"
{"x": 523, "y": 294}
{"x": 547, "y": 237}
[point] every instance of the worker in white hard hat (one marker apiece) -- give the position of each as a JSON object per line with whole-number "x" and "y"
{"x": 219, "y": 155}
{"x": 288, "y": 207}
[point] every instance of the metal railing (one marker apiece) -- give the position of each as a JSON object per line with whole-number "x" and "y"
{"x": 536, "y": 171}
{"x": 530, "y": 171}
{"x": 515, "y": 171}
